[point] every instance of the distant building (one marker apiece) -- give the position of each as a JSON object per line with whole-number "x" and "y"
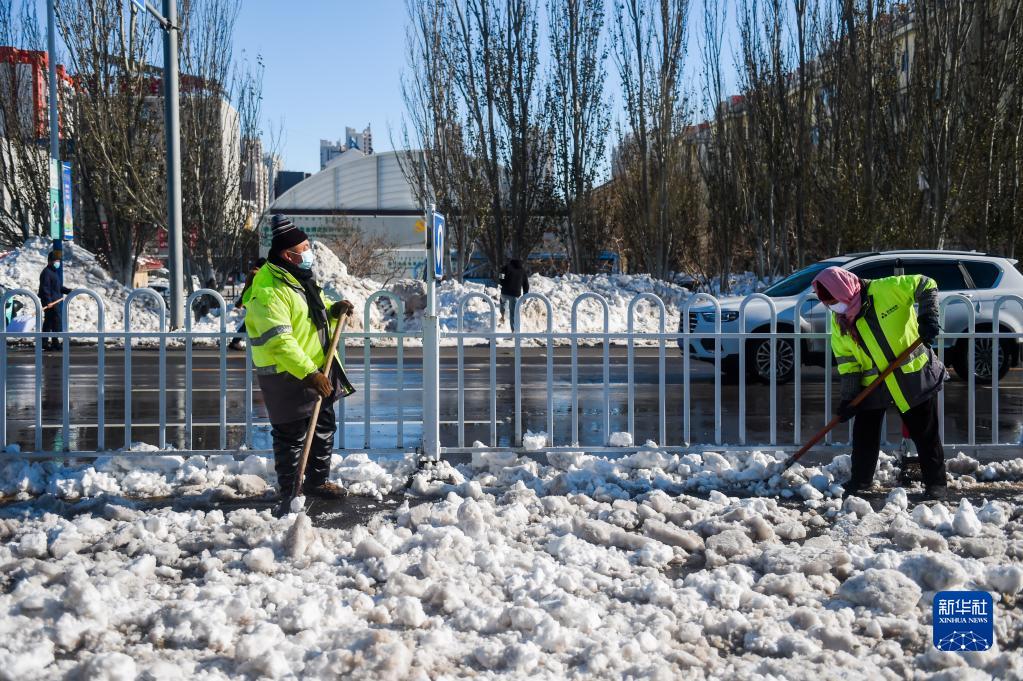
{"x": 353, "y": 140}
{"x": 286, "y": 179}
{"x": 367, "y": 193}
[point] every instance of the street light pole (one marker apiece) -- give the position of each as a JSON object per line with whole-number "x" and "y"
{"x": 175, "y": 255}
{"x": 51, "y": 46}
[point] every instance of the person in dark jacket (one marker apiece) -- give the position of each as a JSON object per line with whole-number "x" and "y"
{"x": 236, "y": 342}
{"x": 51, "y": 295}
{"x": 514, "y": 282}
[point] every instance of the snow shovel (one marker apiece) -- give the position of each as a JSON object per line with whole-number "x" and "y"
{"x": 327, "y": 367}
{"x": 899, "y": 361}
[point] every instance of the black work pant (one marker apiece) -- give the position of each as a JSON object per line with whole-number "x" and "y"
{"x": 288, "y": 441}
{"x": 52, "y": 322}
{"x": 922, "y": 423}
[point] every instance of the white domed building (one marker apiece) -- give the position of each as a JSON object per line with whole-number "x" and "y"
{"x": 367, "y": 193}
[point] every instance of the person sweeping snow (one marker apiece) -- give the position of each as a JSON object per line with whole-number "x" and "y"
{"x": 51, "y": 295}
{"x": 873, "y": 323}
{"x": 289, "y": 322}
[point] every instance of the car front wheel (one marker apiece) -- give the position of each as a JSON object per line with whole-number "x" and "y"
{"x": 758, "y": 359}
{"x": 982, "y": 359}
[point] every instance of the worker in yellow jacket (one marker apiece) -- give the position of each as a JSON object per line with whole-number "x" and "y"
{"x": 874, "y": 321}
{"x": 290, "y": 322}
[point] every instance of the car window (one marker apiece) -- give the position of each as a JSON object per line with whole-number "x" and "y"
{"x": 796, "y": 283}
{"x": 945, "y": 273}
{"x": 875, "y": 270}
{"x": 984, "y": 274}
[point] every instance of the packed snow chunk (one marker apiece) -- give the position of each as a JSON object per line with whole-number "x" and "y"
{"x": 730, "y": 543}
{"x": 494, "y": 461}
{"x": 908, "y": 535}
{"x": 966, "y": 523}
{"x": 898, "y": 498}
{"x": 861, "y": 507}
{"x": 534, "y": 442}
{"x": 933, "y": 572}
{"x": 260, "y": 559}
{"x": 297, "y": 504}
{"x": 993, "y": 513}
{"x": 408, "y": 612}
{"x": 1006, "y": 579}
{"x": 620, "y": 439}
{"x": 110, "y": 667}
{"x": 28, "y": 664}
{"x": 32, "y": 545}
{"x": 962, "y": 465}
{"x": 886, "y": 590}
{"x": 563, "y": 461}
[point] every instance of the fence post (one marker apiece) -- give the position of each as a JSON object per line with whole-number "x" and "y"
{"x": 431, "y": 357}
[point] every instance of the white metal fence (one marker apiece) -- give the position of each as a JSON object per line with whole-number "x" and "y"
{"x": 407, "y": 413}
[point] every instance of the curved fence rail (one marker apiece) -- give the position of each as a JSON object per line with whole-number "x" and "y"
{"x": 604, "y": 374}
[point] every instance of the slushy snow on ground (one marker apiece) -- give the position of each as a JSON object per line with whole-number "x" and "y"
{"x": 652, "y": 565}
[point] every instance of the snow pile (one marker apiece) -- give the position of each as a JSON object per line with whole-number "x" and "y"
{"x": 146, "y": 473}
{"x": 618, "y": 289}
{"x": 505, "y": 567}
{"x": 20, "y": 268}
{"x": 332, "y": 275}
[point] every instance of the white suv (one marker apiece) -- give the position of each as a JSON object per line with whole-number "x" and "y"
{"x": 981, "y": 278}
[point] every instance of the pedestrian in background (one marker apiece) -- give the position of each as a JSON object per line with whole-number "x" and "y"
{"x": 236, "y": 342}
{"x": 874, "y": 321}
{"x": 514, "y": 282}
{"x": 289, "y": 322}
{"x": 51, "y": 295}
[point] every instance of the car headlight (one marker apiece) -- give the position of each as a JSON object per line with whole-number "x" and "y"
{"x": 726, "y": 316}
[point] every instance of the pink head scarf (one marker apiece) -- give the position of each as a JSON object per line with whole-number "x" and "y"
{"x": 845, "y": 287}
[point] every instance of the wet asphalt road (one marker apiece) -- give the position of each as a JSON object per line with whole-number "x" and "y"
{"x": 390, "y": 394}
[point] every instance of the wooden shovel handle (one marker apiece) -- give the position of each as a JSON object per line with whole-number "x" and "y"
{"x": 327, "y": 366}
{"x": 899, "y": 361}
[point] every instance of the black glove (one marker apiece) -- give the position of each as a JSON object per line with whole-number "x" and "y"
{"x": 319, "y": 382}
{"x": 341, "y": 307}
{"x": 929, "y": 332}
{"x": 846, "y": 411}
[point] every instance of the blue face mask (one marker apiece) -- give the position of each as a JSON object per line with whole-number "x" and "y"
{"x": 56, "y": 264}
{"x": 307, "y": 259}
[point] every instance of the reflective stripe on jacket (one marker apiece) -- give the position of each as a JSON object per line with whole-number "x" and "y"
{"x": 282, "y": 335}
{"x": 887, "y": 325}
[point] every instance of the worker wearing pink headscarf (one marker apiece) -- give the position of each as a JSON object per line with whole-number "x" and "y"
{"x": 874, "y": 321}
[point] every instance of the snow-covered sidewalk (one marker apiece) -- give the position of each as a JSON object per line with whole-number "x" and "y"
{"x": 647, "y": 566}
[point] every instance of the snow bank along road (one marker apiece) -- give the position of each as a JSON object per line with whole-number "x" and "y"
{"x": 382, "y": 379}
{"x": 651, "y": 566}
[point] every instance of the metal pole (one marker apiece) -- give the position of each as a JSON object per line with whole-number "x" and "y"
{"x": 51, "y": 46}
{"x": 170, "y": 103}
{"x": 431, "y": 354}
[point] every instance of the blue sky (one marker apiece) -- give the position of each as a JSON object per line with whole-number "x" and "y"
{"x": 329, "y": 64}
{"x": 337, "y": 63}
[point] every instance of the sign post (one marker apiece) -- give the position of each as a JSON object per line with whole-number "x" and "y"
{"x": 69, "y": 214}
{"x": 431, "y": 335}
{"x": 55, "y": 201}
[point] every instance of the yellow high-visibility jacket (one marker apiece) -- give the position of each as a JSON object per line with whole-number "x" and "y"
{"x": 887, "y": 325}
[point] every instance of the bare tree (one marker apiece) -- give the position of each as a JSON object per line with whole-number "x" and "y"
{"x": 496, "y": 58}
{"x": 364, "y": 255}
{"x": 24, "y": 157}
{"x": 118, "y": 152}
{"x": 220, "y": 113}
{"x": 581, "y": 120}
{"x": 655, "y": 168}
{"x": 437, "y": 161}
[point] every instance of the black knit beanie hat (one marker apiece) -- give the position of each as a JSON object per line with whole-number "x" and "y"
{"x": 285, "y": 234}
